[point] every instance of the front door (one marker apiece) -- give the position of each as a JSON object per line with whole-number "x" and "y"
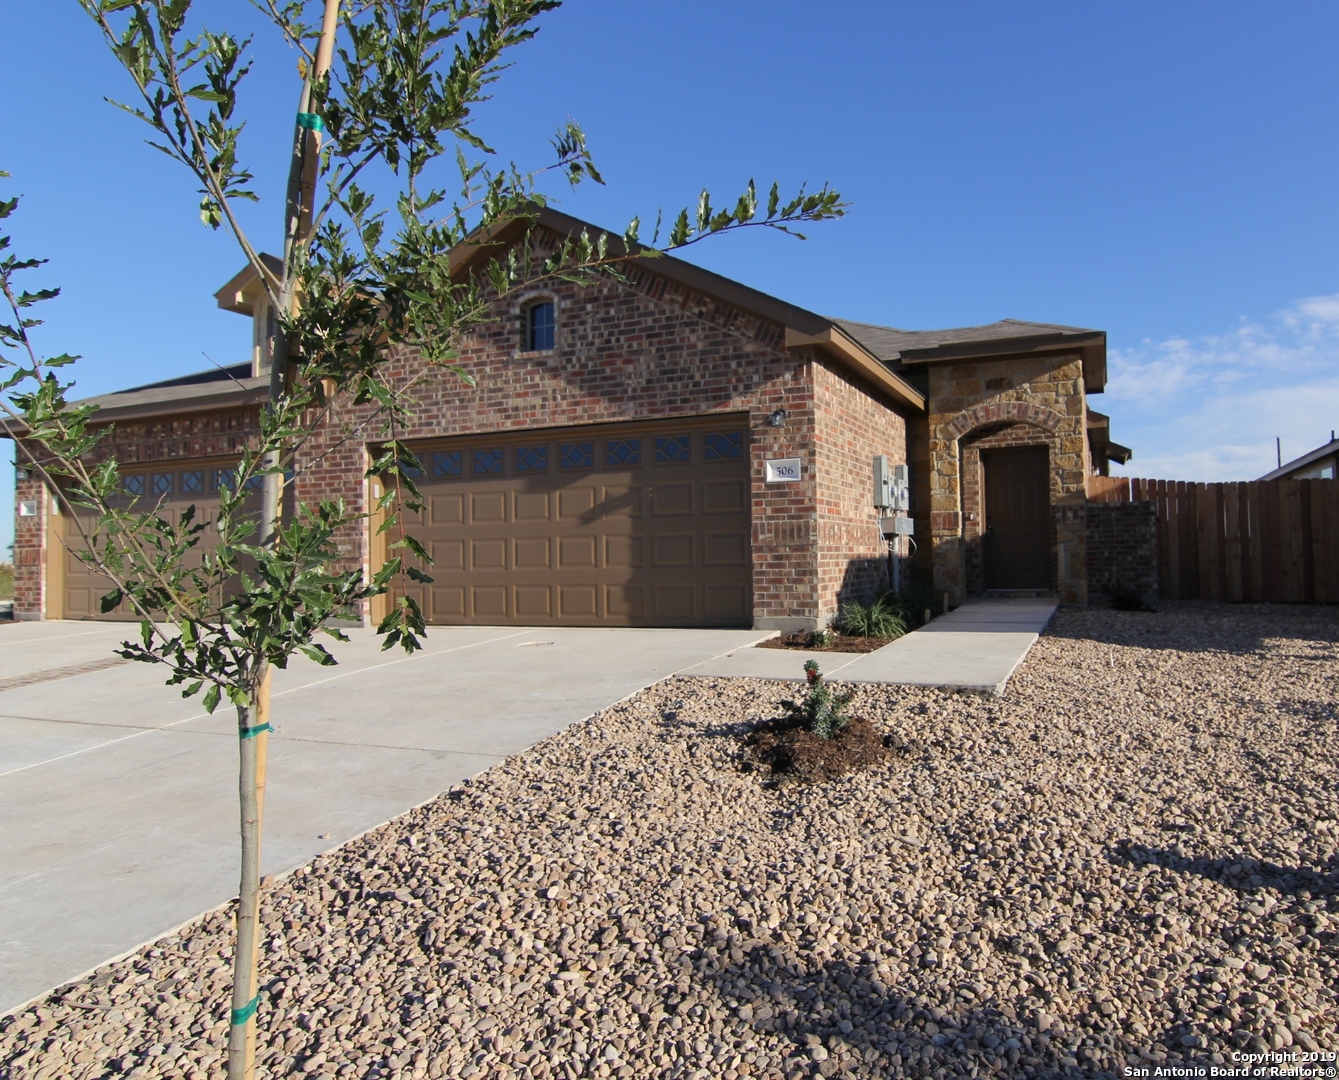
{"x": 1017, "y": 545}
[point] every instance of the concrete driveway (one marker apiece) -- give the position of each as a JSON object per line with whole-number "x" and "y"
{"x": 118, "y": 800}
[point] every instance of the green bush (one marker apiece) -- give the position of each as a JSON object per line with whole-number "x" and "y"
{"x": 913, "y": 601}
{"x": 821, "y": 711}
{"x": 881, "y": 619}
{"x": 6, "y": 581}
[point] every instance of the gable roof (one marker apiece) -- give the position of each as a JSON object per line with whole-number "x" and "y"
{"x": 1007, "y": 337}
{"x": 892, "y": 359}
{"x": 1331, "y": 447}
{"x": 802, "y": 327}
{"x": 864, "y": 347}
{"x": 244, "y": 288}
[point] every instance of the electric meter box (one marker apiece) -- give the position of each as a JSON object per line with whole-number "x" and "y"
{"x": 901, "y": 492}
{"x": 883, "y": 482}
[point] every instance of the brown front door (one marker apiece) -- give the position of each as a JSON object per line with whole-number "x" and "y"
{"x": 1017, "y": 544}
{"x": 637, "y": 524}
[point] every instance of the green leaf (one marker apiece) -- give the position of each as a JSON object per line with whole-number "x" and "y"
{"x": 211, "y": 699}
{"x": 319, "y": 654}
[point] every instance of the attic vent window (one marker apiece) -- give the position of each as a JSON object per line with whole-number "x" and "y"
{"x": 539, "y": 327}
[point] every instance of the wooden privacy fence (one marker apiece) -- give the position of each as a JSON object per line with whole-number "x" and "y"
{"x": 1273, "y": 541}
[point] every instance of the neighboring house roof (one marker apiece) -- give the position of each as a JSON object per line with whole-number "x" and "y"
{"x": 1331, "y": 447}
{"x": 201, "y": 391}
{"x": 1099, "y": 435}
{"x": 244, "y": 288}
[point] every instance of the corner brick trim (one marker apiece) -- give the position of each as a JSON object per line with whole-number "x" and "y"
{"x": 1018, "y": 412}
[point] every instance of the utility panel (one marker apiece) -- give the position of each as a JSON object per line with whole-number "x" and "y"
{"x": 883, "y": 482}
{"x": 901, "y": 489}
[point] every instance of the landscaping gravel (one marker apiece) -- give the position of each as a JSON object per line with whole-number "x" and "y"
{"x": 1129, "y": 857}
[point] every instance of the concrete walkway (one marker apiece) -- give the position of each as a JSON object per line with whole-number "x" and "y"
{"x": 977, "y": 647}
{"x": 118, "y": 800}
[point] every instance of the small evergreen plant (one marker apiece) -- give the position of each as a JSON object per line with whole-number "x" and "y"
{"x": 822, "y": 711}
{"x": 881, "y": 619}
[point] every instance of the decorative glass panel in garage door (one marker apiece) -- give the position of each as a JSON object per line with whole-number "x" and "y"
{"x": 643, "y": 524}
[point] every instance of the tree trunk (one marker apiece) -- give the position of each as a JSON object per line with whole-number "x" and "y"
{"x": 253, "y": 729}
{"x": 254, "y": 720}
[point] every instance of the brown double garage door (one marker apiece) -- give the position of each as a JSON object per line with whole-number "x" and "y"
{"x": 619, "y": 525}
{"x": 167, "y": 489}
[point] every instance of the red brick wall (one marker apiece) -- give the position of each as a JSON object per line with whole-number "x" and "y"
{"x": 641, "y": 349}
{"x": 169, "y": 438}
{"x": 854, "y": 423}
{"x": 30, "y": 549}
{"x": 216, "y": 434}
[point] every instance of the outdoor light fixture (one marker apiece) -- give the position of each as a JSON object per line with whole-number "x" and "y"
{"x": 20, "y": 473}
{"x": 777, "y": 418}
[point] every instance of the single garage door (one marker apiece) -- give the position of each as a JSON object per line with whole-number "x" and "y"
{"x": 642, "y": 524}
{"x": 169, "y": 486}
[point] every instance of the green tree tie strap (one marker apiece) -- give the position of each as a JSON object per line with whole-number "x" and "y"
{"x": 246, "y": 1012}
{"x": 252, "y": 732}
{"x": 310, "y": 121}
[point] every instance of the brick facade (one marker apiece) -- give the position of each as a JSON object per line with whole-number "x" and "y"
{"x": 1042, "y": 394}
{"x": 853, "y": 424}
{"x": 653, "y": 346}
{"x": 218, "y": 435}
{"x": 1122, "y": 549}
{"x": 30, "y": 548}
{"x": 640, "y": 349}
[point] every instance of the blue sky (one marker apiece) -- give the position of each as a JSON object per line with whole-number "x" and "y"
{"x": 1166, "y": 173}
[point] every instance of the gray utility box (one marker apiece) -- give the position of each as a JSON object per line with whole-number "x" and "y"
{"x": 898, "y": 526}
{"x": 883, "y": 483}
{"x": 891, "y": 490}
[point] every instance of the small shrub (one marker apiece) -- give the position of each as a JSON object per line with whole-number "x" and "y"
{"x": 821, "y": 711}
{"x": 913, "y": 601}
{"x": 6, "y": 581}
{"x": 820, "y": 639}
{"x": 879, "y": 619}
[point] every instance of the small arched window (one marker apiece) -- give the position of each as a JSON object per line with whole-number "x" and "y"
{"x": 539, "y": 326}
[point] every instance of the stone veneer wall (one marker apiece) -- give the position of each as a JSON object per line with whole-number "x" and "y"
{"x": 644, "y": 348}
{"x": 1044, "y": 392}
{"x": 220, "y": 435}
{"x": 854, "y": 422}
{"x": 1122, "y": 549}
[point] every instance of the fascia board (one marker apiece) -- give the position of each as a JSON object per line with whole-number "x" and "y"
{"x": 855, "y": 358}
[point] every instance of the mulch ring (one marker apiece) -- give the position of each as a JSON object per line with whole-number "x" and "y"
{"x": 782, "y": 749}
{"x": 804, "y": 639}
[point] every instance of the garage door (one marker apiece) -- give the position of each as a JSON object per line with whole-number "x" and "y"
{"x": 171, "y": 487}
{"x": 618, "y": 525}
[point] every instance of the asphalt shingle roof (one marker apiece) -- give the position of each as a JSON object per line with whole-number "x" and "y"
{"x": 889, "y": 344}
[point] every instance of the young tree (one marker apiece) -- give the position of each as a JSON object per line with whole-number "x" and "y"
{"x": 389, "y": 85}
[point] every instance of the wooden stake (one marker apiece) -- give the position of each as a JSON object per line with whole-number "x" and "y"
{"x": 254, "y": 742}
{"x": 254, "y": 719}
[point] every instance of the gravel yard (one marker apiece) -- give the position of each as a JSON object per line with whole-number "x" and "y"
{"x": 1129, "y": 857}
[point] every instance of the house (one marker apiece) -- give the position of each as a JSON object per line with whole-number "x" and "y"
{"x": 1322, "y": 463}
{"x": 669, "y": 449}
